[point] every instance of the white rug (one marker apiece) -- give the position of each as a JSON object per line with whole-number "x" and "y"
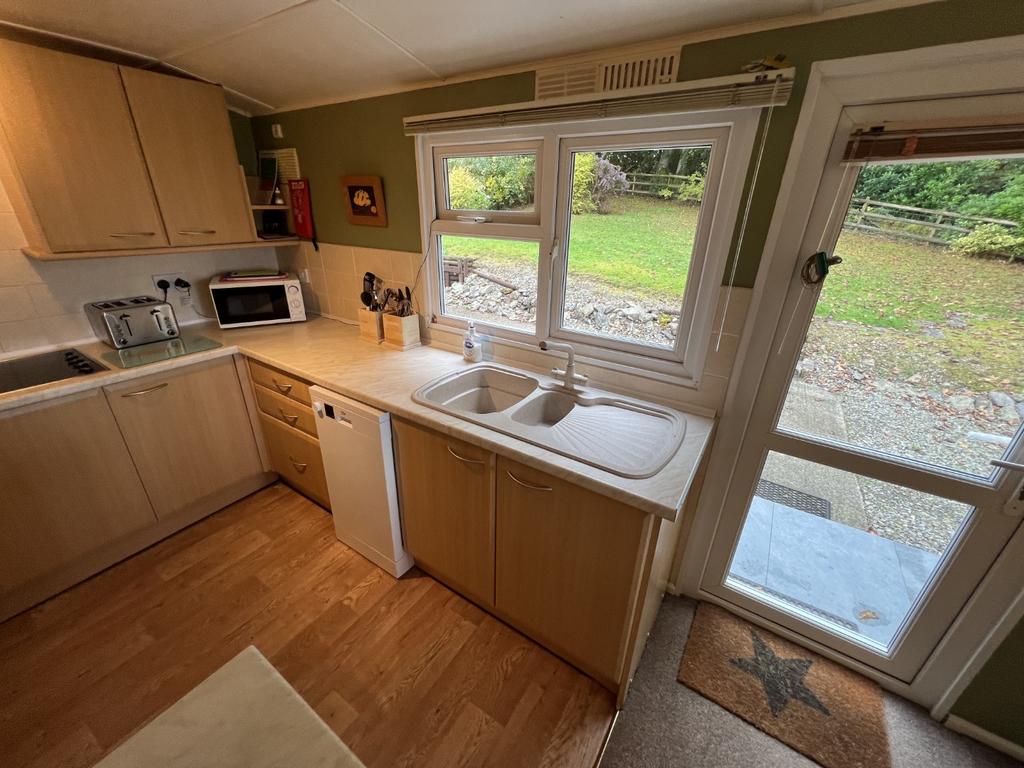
{"x": 244, "y": 715}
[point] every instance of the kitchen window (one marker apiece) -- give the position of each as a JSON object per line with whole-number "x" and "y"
{"x": 612, "y": 235}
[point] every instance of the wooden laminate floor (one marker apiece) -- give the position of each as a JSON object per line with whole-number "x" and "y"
{"x": 406, "y": 672}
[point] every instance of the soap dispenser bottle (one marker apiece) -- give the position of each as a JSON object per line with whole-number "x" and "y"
{"x": 471, "y": 349}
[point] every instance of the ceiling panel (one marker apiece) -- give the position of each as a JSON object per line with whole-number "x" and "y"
{"x": 155, "y": 28}
{"x": 458, "y": 36}
{"x": 314, "y": 52}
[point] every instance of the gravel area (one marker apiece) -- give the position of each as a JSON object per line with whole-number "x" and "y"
{"x": 954, "y": 428}
{"x": 591, "y": 307}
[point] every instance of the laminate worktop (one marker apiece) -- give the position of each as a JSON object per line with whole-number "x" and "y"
{"x": 333, "y": 355}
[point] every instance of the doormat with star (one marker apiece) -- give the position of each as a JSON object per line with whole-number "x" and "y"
{"x": 827, "y": 712}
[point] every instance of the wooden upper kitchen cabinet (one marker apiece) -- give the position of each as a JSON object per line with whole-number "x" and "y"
{"x": 67, "y": 488}
{"x": 76, "y": 173}
{"x": 186, "y": 138}
{"x": 446, "y": 492}
{"x": 569, "y": 567}
{"x": 190, "y": 435}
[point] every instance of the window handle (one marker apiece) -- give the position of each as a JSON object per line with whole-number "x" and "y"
{"x": 472, "y": 219}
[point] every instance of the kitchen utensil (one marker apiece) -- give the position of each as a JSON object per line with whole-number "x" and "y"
{"x": 367, "y": 298}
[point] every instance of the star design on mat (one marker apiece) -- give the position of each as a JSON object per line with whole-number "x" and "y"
{"x": 782, "y": 679}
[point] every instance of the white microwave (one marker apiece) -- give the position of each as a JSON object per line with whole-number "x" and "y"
{"x": 241, "y": 302}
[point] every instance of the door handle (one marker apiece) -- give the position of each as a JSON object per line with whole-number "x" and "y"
{"x": 463, "y": 458}
{"x": 283, "y": 388}
{"x": 197, "y": 231}
{"x": 528, "y": 485}
{"x": 300, "y": 467}
{"x": 1011, "y": 465}
{"x": 145, "y": 391}
{"x": 290, "y": 418}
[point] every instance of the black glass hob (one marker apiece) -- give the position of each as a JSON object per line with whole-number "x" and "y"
{"x": 33, "y": 370}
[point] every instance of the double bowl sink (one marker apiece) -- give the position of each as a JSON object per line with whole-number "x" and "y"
{"x": 627, "y": 437}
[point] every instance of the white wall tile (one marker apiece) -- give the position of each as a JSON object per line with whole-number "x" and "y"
{"x": 11, "y": 235}
{"x": 15, "y": 304}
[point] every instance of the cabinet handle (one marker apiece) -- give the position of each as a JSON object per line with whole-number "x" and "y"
{"x": 463, "y": 458}
{"x": 528, "y": 485}
{"x": 197, "y": 231}
{"x": 290, "y": 418}
{"x": 145, "y": 391}
{"x": 299, "y": 466}
{"x": 132, "y": 234}
{"x": 284, "y": 388}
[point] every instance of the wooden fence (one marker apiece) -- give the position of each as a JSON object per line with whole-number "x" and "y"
{"x": 652, "y": 183}
{"x": 910, "y": 223}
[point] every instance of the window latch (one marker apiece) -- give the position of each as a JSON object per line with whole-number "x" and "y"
{"x": 472, "y": 219}
{"x": 554, "y": 250}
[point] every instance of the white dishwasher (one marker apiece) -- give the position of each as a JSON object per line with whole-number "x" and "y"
{"x": 355, "y": 441}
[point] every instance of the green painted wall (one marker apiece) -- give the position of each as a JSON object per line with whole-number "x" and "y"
{"x": 245, "y": 143}
{"x": 995, "y": 698}
{"x": 365, "y": 137}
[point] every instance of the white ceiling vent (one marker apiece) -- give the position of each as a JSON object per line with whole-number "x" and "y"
{"x": 641, "y": 70}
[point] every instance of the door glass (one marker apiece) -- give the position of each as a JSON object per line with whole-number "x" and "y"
{"x": 631, "y": 234}
{"x": 917, "y": 339}
{"x": 490, "y": 280}
{"x": 841, "y": 550}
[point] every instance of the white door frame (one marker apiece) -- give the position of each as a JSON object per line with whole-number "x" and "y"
{"x": 989, "y": 66}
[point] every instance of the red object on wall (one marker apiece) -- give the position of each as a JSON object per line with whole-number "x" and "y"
{"x": 302, "y": 210}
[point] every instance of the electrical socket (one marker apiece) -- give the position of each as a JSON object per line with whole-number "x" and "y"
{"x": 184, "y": 297}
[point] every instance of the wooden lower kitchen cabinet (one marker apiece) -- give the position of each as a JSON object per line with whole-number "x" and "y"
{"x": 567, "y": 567}
{"x": 295, "y": 456}
{"x": 67, "y": 489}
{"x": 190, "y": 436}
{"x": 446, "y": 493}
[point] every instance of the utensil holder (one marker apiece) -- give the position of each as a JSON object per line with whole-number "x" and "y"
{"x": 371, "y": 326}
{"x": 401, "y": 332}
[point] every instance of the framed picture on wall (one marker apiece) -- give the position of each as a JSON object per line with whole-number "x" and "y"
{"x": 364, "y": 200}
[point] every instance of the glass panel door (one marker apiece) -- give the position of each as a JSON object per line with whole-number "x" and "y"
{"x": 876, "y": 506}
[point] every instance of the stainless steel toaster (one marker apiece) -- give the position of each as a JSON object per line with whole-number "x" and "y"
{"x": 132, "y": 321}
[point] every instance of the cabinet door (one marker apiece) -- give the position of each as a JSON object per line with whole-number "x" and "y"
{"x": 567, "y": 565}
{"x": 186, "y": 137}
{"x": 74, "y": 152}
{"x": 446, "y": 494}
{"x": 67, "y": 486}
{"x": 190, "y": 437}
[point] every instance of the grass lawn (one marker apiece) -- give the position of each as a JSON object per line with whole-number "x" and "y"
{"x": 643, "y": 245}
{"x": 912, "y": 307}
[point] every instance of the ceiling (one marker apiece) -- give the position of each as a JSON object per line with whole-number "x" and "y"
{"x": 280, "y": 54}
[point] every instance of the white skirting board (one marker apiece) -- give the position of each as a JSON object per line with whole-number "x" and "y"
{"x": 978, "y": 733}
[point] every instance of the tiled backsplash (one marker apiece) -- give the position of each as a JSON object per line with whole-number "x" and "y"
{"x": 41, "y": 301}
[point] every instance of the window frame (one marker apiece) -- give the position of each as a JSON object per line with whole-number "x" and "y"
{"x": 717, "y": 139}
{"x": 734, "y": 131}
{"x": 442, "y": 153}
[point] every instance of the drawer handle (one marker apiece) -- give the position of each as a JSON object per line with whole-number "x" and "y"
{"x": 529, "y": 485}
{"x": 283, "y": 388}
{"x": 299, "y": 466}
{"x": 290, "y": 418}
{"x": 197, "y": 231}
{"x": 132, "y": 234}
{"x": 463, "y": 458}
{"x": 145, "y": 391}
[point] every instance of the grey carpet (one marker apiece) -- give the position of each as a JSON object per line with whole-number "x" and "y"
{"x": 667, "y": 725}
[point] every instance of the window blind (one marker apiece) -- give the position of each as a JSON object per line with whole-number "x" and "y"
{"x": 882, "y": 145}
{"x": 761, "y": 90}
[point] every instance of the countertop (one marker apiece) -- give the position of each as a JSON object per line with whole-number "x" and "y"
{"x": 332, "y": 354}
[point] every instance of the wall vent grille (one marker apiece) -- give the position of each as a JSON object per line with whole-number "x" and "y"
{"x": 637, "y": 71}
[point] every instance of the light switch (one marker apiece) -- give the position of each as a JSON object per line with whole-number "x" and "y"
{"x": 276, "y": 131}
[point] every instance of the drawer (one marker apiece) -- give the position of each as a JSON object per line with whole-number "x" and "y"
{"x": 296, "y": 457}
{"x": 291, "y": 412}
{"x": 275, "y": 380}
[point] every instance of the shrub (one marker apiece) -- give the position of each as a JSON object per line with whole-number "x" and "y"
{"x": 608, "y": 179}
{"x": 584, "y": 174}
{"x": 465, "y": 191}
{"x": 691, "y": 188}
{"x": 990, "y": 240}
